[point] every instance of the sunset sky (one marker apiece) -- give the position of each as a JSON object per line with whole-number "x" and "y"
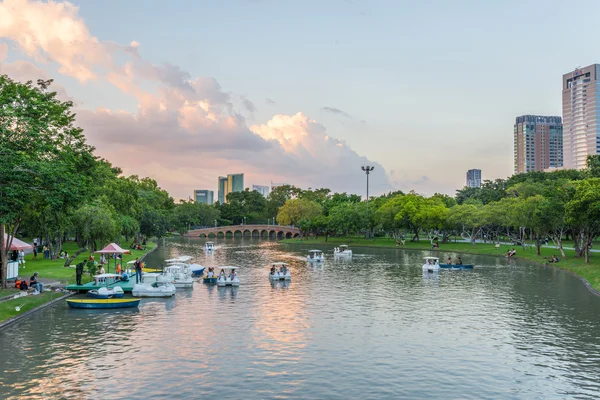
{"x": 302, "y": 92}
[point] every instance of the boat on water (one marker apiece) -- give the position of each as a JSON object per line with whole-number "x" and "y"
{"x": 209, "y": 246}
{"x": 106, "y": 293}
{"x": 342, "y": 251}
{"x": 182, "y": 276}
{"x": 457, "y": 266}
{"x": 103, "y": 303}
{"x": 279, "y": 271}
{"x": 196, "y": 269}
{"x": 315, "y": 256}
{"x": 228, "y": 277}
{"x": 432, "y": 264}
{"x": 210, "y": 276}
{"x": 153, "y": 290}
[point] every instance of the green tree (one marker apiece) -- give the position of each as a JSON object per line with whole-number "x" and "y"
{"x": 39, "y": 144}
{"x": 299, "y": 212}
{"x": 583, "y": 215}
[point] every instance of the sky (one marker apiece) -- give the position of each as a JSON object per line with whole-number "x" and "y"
{"x": 302, "y": 92}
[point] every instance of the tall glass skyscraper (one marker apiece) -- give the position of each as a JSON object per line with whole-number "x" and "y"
{"x": 204, "y": 196}
{"x": 538, "y": 143}
{"x": 581, "y": 112}
{"x": 228, "y": 184}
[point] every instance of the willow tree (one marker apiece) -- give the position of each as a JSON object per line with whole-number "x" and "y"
{"x": 40, "y": 145}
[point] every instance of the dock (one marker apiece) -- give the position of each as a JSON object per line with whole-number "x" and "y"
{"x": 126, "y": 286}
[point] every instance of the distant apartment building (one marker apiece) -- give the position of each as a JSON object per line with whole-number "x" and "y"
{"x": 228, "y": 184}
{"x": 538, "y": 143}
{"x": 474, "y": 178}
{"x": 204, "y": 196}
{"x": 264, "y": 190}
{"x": 581, "y": 114}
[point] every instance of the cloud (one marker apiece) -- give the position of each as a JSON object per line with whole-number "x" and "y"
{"x": 185, "y": 131}
{"x": 337, "y": 111}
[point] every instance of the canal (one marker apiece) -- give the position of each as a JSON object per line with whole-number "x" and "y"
{"x": 371, "y": 327}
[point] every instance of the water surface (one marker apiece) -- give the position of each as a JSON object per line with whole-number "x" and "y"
{"x": 372, "y": 327}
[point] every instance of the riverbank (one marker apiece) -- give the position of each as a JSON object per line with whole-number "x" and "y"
{"x": 588, "y": 272}
{"x": 52, "y": 273}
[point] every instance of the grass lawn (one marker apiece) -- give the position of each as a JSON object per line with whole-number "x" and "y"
{"x": 7, "y": 308}
{"x": 6, "y": 292}
{"x": 590, "y": 272}
{"x": 55, "y": 270}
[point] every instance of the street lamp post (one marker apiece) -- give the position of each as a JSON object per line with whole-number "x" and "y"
{"x": 273, "y": 221}
{"x": 215, "y": 223}
{"x": 367, "y": 170}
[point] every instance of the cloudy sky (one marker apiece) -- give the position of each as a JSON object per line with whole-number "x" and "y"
{"x": 303, "y": 92}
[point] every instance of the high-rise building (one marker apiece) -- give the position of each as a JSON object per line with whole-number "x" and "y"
{"x": 474, "y": 178}
{"x": 264, "y": 190}
{"x": 538, "y": 143}
{"x": 581, "y": 112}
{"x": 204, "y": 196}
{"x": 228, "y": 184}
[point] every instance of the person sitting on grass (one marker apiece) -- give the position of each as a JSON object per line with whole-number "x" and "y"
{"x": 554, "y": 259}
{"x": 34, "y": 283}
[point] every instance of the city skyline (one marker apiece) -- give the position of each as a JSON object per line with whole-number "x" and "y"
{"x": 368, "y": 94}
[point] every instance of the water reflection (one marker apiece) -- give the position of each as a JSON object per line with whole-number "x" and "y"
{"x": 369, "y": 327}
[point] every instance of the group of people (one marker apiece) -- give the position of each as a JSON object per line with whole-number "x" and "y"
{"x": 232, "y": 274}
{"x": 283, "y": 270}
{"x": 511, "y": 253}
{"x": 554, "y": 259}
{"x": 458, "y": 261}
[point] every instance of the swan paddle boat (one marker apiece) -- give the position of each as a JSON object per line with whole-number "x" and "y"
{"x": 228, "y": 277}
{"x": 342, "y": 251}
{"x": 103, "y": 303}
{"x": 196, "y": 269}
{"x": 279, "y": 271}
{"x": 182, "y": 276}
{"x": 153, "y": 290}
{"x": 106, "y": 293}
{"x": 315, "y": 256}
{"x": 432, "y": 264}
{"x": 209, "y": 246}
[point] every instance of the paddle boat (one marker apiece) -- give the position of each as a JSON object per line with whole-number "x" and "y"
{"x": 228, "y": 278}
{"x": 457, "y": 266}
{"x": 182, "y": 276}
{"x": 103, "y": 303}
{"x": 196, "y": 269}
{"x": 153, "y": 290}
{"x": 279, "y": 271}
{"x": 209, "y": 246}
{"x": 315, "y": 256}
{"x": 432, "y": 264}
{"x": 342, "y": 251}
{"x": 106, "y": 293}
{"x": 210, "y": 277}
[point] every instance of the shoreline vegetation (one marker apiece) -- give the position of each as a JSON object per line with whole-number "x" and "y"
{"x": 589, "y": 272}
{"x": 52, "y": 272}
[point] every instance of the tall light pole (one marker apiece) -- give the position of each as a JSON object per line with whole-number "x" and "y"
{"x": 215, "y": 223}
{"x": 367, "y": 170}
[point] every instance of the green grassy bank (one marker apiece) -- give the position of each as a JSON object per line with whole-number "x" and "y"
{"x": 55, "y": 270}
{"x": 590, "y": 272}
{"x": 7, "y": 308}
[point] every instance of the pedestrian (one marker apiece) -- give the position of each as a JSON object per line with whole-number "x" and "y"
{"x": 22, "y": 258}
{"x": 138, "y": 270}
{"x": 35, "y": 252}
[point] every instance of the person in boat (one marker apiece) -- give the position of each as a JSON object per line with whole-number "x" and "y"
{"x": 273, "y": 270}
{"x": 449, "y": 261}
{"x": 210, "y": 273}
{"x": 459, "y": 261}
{"x": 232, "y": 274}
{"x": 436, "y": 262}
{"x": 283, "y": 270}
{"x": 222, "y": 274}
{"x": 101, "y": 270}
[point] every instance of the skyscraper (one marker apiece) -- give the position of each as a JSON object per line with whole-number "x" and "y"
{"x": 204, "y": 196}
{"x": 581, "y": 108}
{"x": 264, "y": 190}
{"x": 228, "y": 184}
{"x": 474, "y": 178}
{"x": 538, "y": 143}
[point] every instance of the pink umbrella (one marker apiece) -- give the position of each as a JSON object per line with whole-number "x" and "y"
{"x": 17, "y": 244}
{"x": 113, "y": 248}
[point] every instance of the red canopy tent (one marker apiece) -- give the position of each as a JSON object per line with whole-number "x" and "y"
{"x": 16, "y": 243}
{"x": 113, "y": 248}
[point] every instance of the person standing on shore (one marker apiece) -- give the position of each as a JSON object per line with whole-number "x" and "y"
{"x": 138, "y": 270}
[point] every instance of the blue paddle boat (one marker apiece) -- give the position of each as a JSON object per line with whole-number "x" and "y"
{"x": 103, "y": 303}
{"x": 456, "y": 266}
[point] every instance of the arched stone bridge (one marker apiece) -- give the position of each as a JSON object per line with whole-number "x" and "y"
{"x": 258, "y": 231}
